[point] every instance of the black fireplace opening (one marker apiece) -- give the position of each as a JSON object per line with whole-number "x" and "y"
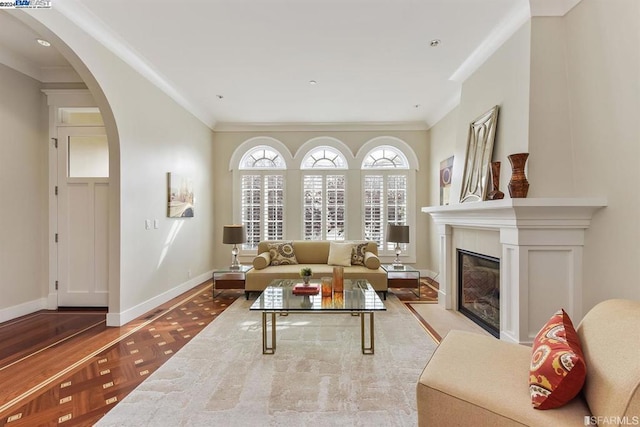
{"x": 479, "y": 289}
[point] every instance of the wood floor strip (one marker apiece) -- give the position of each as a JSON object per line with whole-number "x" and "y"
{"x": 70, "y": 368}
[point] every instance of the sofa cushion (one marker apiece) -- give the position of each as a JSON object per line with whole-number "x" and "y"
{"x": 340, "y": 254}
{"x": 477, "y": 380}
{"x": 358, "y": 252}
{"x": 557, "y": 371}
{"x": 262, "y": 261}
{"x": 371, "y": 261}
{"x": 282, "y": 253}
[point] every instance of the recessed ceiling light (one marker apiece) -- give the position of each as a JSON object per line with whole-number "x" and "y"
{"x": 416, "y": 106}
{"x": 219, "y": 96}
{"x": 43, "y": 42}
{"x": 434, "y": 43}
{"x": 313, "y": 82}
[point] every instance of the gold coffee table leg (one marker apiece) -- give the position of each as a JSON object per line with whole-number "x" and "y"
{"x": 365, "y": 349}
{"x": 265, "y": 347}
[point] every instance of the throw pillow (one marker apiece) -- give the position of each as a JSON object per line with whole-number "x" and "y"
{"x": 282, "y": 253}
{"x": 371, "y": 261}
{"x": 558, "y": 370}
{"x": 262, "y": 261}
{"x": 357, "y": 254}
{"x": 340, "y": 254}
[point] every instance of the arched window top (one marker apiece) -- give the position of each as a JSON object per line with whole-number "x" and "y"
{"x": 262, "y": 157}
{"x": 324, "y": 158}
{"x": 385, "y": 157}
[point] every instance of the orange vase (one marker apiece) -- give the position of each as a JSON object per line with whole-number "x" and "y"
{"x": 338, "y": 279}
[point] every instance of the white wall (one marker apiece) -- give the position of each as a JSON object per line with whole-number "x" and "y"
{"x": 23, "y": 190}
{"x": 227, "y": 142}
{"x": 149, "y": 136}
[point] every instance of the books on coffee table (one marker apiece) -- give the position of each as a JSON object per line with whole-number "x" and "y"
{"x": 302, "y": 289}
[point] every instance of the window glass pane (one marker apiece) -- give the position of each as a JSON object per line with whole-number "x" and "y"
{"x": 373, "y": 208}
{"x": 262, "y": 157}
{"x": 251, "y": 187}
{"x": 385, "y": 157}
{"x": 312, "y": 207}
{"x": 324, "y": 158}
{"x": 274, "y": 207}
{"x": 88, "y": 157}
{"x": 335, "y": 189}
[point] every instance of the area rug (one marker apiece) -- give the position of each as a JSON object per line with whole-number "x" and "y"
{"x": 318, "y": 375}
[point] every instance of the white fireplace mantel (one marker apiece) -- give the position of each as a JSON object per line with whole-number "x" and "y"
{"x": 541, "y": 263}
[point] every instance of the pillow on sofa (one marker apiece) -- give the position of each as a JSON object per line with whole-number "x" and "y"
{"x": 371, "y": 261}
{"x": 340, "y": 254}
{"x": 262, "y": 261}
{"x": 357, "y": 253}
{"x": 558, "y": 370}
{"x": 282, "y": 253}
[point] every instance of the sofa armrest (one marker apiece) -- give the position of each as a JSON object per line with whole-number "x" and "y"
{"x": 371, "y": 261}
{"x": 262, "y": 261}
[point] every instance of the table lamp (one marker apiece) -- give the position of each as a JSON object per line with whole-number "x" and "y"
{"x": 397, "y": 234}
{"x": 234, "y": 234}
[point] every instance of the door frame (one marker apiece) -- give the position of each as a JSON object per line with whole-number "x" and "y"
{"x": 60, "y": 102}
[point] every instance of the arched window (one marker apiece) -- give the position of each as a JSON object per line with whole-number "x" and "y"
{"x": 262, "y": 195}
{"x": 385, "y": 199}
{"x": 324, "y": 188}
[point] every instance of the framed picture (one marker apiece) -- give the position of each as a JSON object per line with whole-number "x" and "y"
{"x": 180, "y": 200}
{"x": 446, "y": 169}
{"x": 475, "y": 181}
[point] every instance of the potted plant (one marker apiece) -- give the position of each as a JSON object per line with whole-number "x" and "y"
{"x": 306, "y": 273}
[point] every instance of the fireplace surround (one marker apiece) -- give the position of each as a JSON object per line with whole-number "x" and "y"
{"x": 541, "y": 242}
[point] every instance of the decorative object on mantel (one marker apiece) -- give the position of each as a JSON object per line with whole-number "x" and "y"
{"x": 306, "y": 273}
{"x": 446, "y": 169}
{"x": 495, "y": 193}
{"x": 518, "y": 186}
{"x": 482, "y": 132}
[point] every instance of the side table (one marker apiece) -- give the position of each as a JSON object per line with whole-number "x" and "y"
{"x": 403, "y": 276}
{"x": 230, "y": 278}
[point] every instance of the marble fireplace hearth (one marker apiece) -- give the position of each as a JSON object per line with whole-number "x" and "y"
{"x": 540, "y": 241}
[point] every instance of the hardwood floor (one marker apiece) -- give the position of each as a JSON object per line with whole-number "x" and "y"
{"x": 68, "y": 368}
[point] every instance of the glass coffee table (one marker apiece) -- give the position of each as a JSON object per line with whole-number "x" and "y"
{"x": 358, "y": 298}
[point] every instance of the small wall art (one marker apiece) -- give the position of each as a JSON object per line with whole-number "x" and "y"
{"x": 446, "y": 169}
{"x": 181, "y": 199}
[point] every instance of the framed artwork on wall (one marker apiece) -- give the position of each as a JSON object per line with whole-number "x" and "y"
{"x": 475, "y": 181}
{"x": 446, "y": 169}
{"x": 180, "y": 199}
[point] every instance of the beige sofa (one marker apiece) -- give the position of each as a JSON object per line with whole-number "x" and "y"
{"x": 314, "y": 254}
{"x": 477, "y": 380}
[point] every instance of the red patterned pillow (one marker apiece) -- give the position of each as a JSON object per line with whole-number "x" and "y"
{"x": 557, "y": 370}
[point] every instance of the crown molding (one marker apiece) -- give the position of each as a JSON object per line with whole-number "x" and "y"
{"x": 320, "y": 127}
{"x": 18, "y": 63}
{"x": 500, "y": 34}
{"x": 86, "y": 20}
{"x": 552, "y": 7}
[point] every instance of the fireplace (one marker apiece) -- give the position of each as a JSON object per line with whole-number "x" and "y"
{"x": 479, "y": 289}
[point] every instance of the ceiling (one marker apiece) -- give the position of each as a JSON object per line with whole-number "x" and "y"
{"x": 251, "y": 61}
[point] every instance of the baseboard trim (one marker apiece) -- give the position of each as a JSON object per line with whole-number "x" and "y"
{"x": 124, "y": 317}
{"x": 23, "y": 309}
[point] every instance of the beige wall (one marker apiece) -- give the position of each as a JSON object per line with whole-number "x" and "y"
{"x": 23, "y": 174}
{"x": 603, "y": 57}
{"x": 227, "y": 142}
{"x": 577, "y": 115}
{"x": 149, "y": 136}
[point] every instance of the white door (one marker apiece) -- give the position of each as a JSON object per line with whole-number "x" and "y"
{"x": 83, "y": 216}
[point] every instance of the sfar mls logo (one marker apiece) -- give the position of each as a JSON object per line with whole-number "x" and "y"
{"x": 26, "y": 4}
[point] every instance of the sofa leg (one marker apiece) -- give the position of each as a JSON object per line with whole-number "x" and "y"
{"x": 246, "y": 295}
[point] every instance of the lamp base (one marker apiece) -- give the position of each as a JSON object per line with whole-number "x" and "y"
{"x": 397, "y": 264}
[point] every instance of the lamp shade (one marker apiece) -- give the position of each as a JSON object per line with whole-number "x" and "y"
{"x": 398, "y": 233}
{"x": 233, "y": 234}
